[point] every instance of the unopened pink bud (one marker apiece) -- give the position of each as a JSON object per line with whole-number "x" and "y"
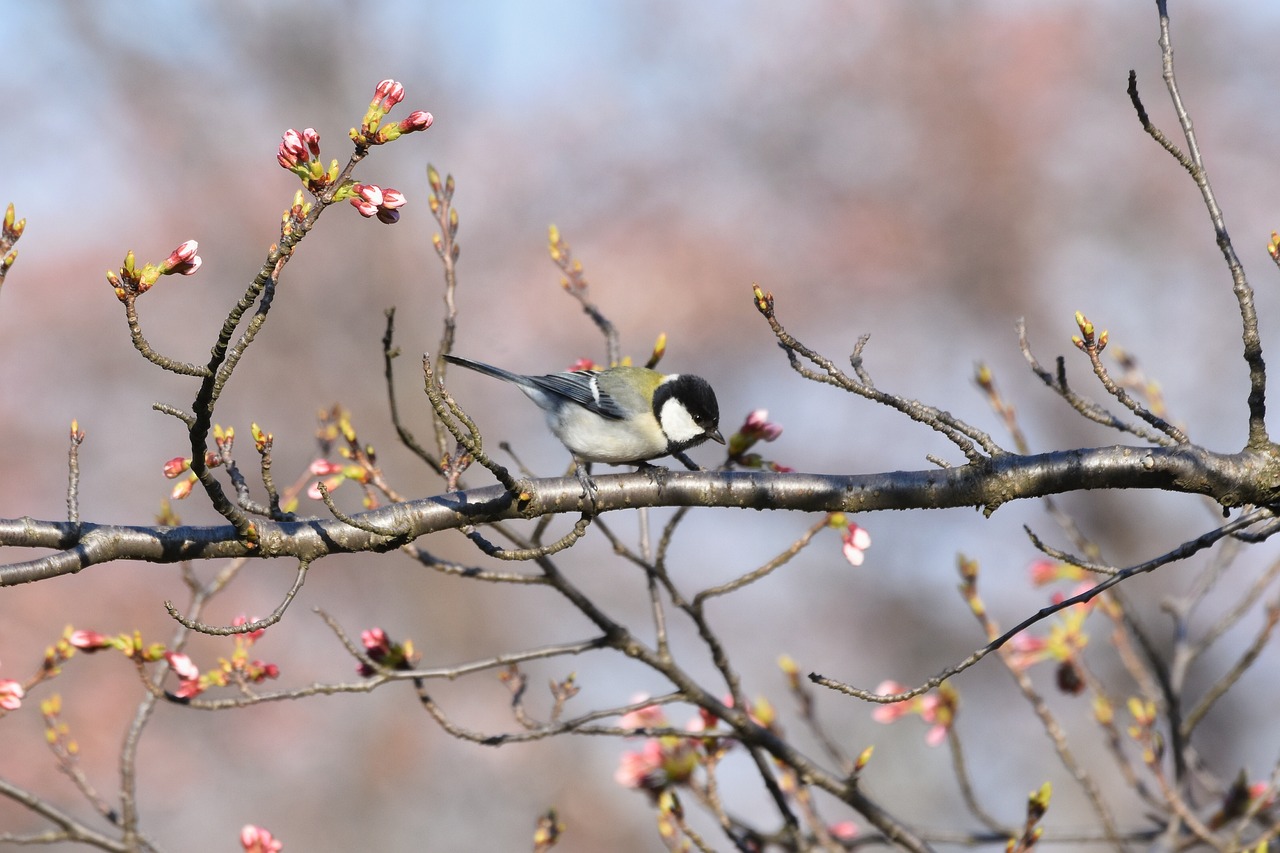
{"x": 89, "y": 641}
{"x": 323, "y": 468}
{"x": 391, "y": 199}
{"x": 417, "y": 120}
{"x": 371, "y": 193}
{"x": 176, "y": 466}
{"x": 312, "y": 140}
{"x": 11, "y": 694}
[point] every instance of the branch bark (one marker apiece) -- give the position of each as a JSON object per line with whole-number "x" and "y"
{"x": 1233, "y": 480}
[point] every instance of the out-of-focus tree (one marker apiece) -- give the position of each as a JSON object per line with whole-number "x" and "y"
{"x": 929, "y": 174}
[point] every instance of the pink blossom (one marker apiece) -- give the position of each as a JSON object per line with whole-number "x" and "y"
{"x": 183, "y": 489}
{"x": 188, "y": 675}
{"x": 844, "y": 830}
{"x": 641, "y": 768}
{"x": 89, "y": 641}
{"x": 265, "y": 670}
{"x": 388, "y": 93}
{"x": 757, "y": 425}
{"x": 371, "y": 200}
{"x": 176, "y": 466}
{"x": 371, "y": 193}
{"x": 252, "y": 635}
{"x": 182, "y": 260}
{"x": 11, "y": 694}
{"x": 323, "y": 468}
{"x": 417, "y": 120}
{"x": 330, "y": 484}
{"x": 182, "y": 666}
{"x": 312, "y": 140}
{"x": 1027, "y": 650}
{"x": 856, "y": 541}
{"x": 376, "y": 643}
{"x": 895, "y": 711}
{"x": 255, "y": 839}
{"x": 650, "y": 716}
{"x": 291, "y": 152}
{"x": 658, "y": 763}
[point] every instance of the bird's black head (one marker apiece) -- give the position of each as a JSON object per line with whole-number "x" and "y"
{"x": 687, "y": 410}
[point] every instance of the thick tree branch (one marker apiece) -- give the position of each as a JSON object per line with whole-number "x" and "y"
{"x": 1230, "y": 479}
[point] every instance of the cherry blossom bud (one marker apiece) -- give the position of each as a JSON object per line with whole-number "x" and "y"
{"x": 371, "y": 193}
{"x": 176, "y": 466}
{"x": 416, "y": 120}
{"x": 183, "y": 489}
{"x": 323, "y": 468}
{"x": 182, "y": 665}
{"x": 376, "y": 643}
{"x": 89, "y": 641}
{"x": 311, "y": 139}
{"x": 388, "y": 93}
{"x": 11, "y": 694}
{"x": 391, "y": 199}
{"x": 182, "y": 260}
{"x": 255, "y": 839}
{"x": 856, "y": 540}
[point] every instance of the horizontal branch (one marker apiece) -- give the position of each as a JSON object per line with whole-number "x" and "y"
{"x": 1230, "y": 479}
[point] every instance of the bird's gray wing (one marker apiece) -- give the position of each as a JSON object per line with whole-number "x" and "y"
{"x": 580, "y": 387}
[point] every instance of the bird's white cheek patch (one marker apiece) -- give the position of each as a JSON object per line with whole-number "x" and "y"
{"x": 677, "y": 423}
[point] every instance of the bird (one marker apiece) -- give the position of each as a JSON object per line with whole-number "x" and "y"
{"x": 618, "y": 415}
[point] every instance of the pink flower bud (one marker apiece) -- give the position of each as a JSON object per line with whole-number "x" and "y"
{"x": 376, "y": 643}
{"x": 312, "y": 140}
{"x": 391, "y": 199}
{"x": 182, "y": 260}
{"x": 416, "y": 120}
{"x": 371, "y": 193}
{"x": 366, "y": 209}
{"x": 11, "y": 694}
{"x": 183, "y": 488}
{"x": 89, "y": 641}
{"x": 291, "y": 151}
{"x": 255, "y": 839}
{"x": 182, "y": 666}
{"x": 323, "y": 468}
{"x": 855, "y": 542}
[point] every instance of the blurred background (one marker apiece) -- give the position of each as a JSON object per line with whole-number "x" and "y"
{"x": 925, "y": 172}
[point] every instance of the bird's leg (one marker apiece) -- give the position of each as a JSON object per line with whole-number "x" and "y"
{"x": 589, "y": 487}
{"x": 686, "y": 461}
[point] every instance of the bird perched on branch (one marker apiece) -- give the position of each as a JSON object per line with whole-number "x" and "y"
{"x": 620, "y": 415}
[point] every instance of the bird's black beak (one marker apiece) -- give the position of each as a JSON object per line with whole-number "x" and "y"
{"x": 714, "y": 435}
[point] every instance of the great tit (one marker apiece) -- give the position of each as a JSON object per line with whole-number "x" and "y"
{"x": 622, "y": 415}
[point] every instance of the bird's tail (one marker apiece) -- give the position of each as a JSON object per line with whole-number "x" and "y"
{"x": 487, "y": 369}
